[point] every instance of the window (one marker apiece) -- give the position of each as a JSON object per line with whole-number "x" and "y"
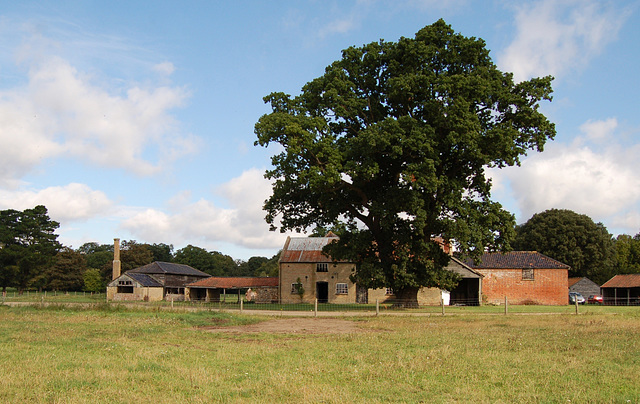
{"x": 295, "y": 288}
{"x": 323, "y": 267}
{"x": 388, "y": 291}
{"x": 342, "y": 289}
{"x": 527, "y": 274}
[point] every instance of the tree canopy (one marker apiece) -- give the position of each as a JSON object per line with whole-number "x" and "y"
{"x": 571, "y": 238}
{"x": 393, "y": 142}
{"x": 27, "y": 245}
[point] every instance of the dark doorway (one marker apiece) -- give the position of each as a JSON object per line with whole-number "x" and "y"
{"x": 466, "y": 293}
{"x": 362, "y": 294}
{"x": 322, "y": 292}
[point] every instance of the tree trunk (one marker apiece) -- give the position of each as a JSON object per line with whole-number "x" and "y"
{"x": 407, "y": 297}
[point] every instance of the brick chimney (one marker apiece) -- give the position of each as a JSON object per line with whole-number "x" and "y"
{"x": 116, "y": 258}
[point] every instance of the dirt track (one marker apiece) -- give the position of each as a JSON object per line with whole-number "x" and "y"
{"x": 296, "y": 326}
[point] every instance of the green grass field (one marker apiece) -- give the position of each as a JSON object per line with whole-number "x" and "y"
{"x": 112, "y": 354}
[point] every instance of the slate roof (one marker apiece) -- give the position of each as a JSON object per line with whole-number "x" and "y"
{"x": 226, "y": 282}
{"x": 516, "y": 260}
{"x": 144, "y": 280}
{"x": 623, "y": 281}
{"x": 168, "y": 268}
{"x": 305, "y": 249}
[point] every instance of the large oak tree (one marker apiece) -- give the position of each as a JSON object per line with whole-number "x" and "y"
{"x": 393, "y": 141}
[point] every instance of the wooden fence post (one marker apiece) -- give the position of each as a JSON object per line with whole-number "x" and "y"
{"x": 576, "y": 301}
{"x": 241, "y": 304}
{"x": 442, "y": 304}
{"x": 506, "y": 306}
{"x": 315, "y": 308}
{"x": 377, "y": 307}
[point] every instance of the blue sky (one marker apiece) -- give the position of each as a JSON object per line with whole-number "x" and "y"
{"x": 134, "y": 119}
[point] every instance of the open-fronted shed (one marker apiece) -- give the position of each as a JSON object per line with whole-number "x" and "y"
{"x": 257, "y": 289}
{"x": 622, "y": 290}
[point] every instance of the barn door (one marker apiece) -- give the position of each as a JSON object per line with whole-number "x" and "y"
{"x": 362, "y": 294}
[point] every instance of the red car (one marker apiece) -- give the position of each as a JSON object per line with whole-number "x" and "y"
{"x": 594, "y": 299}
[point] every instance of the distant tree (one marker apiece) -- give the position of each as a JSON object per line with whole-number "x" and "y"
{"x": 213, "y": 263}
{"x": 626, "y": 254}
{"x": 134, "y": 255}
{"x": 571, "y": 238}
{"x": 93, "y": 281}
{"x": 393, "y": 140}
{"x": 27, "y": 246}
{"x": 66, "y": 272}
{"x": 161, "y": 252}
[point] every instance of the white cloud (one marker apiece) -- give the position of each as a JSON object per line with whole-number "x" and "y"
{"x": 599, "y": 130}
{"x": 72, "y": 202}
{"x": 599, "y": 180}
{"x": 61, "y": 113}
{"x": 165, "y": 68}
{"x": 242, "y": 224}
{"x": 557, "y": 37}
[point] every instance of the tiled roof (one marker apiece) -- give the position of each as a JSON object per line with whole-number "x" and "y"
{"x": 516, "y": 260}
{"x": 143, "y": 279}
{"x": 305, "y": 249}
{"x": 225, "y": 282}
{"x": 573, "y": 281}
{"x": 623, "y": 281}
{"x": 169, "y": 268}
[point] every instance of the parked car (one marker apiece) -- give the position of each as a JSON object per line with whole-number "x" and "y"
{"x": 575, "y": 296}
{"x": 594, "y": 299}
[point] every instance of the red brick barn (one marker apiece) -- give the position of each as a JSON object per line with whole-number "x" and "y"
{"x": 523, "y": 277}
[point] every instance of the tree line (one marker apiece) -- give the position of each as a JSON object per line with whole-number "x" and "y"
{"x": 31, "y": 257}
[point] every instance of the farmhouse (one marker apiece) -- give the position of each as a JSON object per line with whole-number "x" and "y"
{"x": 522, "y": 277}
{"x": 307, "y": 274}
{"x": 622, "y": 290}
{"x": 214, "y": 289}
{"x": 153, "y": 282}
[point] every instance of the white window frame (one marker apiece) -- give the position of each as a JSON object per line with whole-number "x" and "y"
{"x": 342, "y": 288}
{"x": 295, "y": 287}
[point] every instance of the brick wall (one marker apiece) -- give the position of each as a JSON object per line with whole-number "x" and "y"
{"x": 549, "y": 286}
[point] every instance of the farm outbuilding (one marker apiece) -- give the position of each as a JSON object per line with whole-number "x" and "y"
{"x": 622, "y": 290}
{"x": 154, "y": 282}
{"x": 214, "y": 289}
{"x": 522, "y": 277}
{"x": 585, "y": 286}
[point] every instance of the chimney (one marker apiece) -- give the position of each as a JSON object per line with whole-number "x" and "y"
{"x": 116, "y": 258}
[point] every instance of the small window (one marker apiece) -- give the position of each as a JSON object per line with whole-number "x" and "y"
{"x": 322, "y": 267}
{"x": 388, "y": 291}
{"x": 342, "y": 289}
{"x": 527, "y": 274}
{"x": 125, "y": 289}
{"x": 295, "y": 288}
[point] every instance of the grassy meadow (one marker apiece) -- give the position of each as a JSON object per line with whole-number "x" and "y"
{"x": 113, "y": 354}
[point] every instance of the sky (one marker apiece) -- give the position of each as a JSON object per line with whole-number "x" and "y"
{"x": 134, "y": 119}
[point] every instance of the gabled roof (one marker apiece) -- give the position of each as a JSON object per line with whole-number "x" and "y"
{"x": 573, "y": 281}
{"x": 169, "y": 268}
{"x": 623, "y": 281}
{"x": 227, "y": 282}
{"x": 462, "y": 269}
{"x": 306, "y": 249}
{"x": 143, "y": 279}
{"x": 585, "y": 281}
{"x": 516, "y": 260}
